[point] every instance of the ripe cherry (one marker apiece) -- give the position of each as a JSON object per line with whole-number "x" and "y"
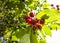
{"x": 33, "y": 21}
{"x": 27, "y": 17}
{"x": 57, "y": 5}
{"x": 31, "y": 14}
{"x": 57, "y": 8}
{"x": 52, "y": 5}
{"x": 34, "y": 28}
{"x": 37, "y": 20}
{"x": 38, "y": 26}
{"x": 29, "y": 21}
{"x": 42, "y": 21}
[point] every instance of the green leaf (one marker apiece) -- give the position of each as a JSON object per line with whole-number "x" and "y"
{"x": 53, "y": 15}
{"x": 14, "y": 38}
{"x": 40, "y": 14}
{"x": 29, "y": 2}
{"x": 11, "y": 4}
{"x": 42, "y": 41}
{"x": 45, "y": 16}
{"x": 25, "y": 39}
{"x": 20, "y": 33}
{"x": 31, "y": 6}
{"x": 47, "y": 30}
{"x": 33, "y": 38}
{"x": 46, "y": 5}
{"x": 42, "y": 34}
{"x": 53, "y": 26}
{"x": 7, "y": 35}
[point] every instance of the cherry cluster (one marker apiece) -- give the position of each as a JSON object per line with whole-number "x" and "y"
{"x": 57, "y": 6}
{"x": 36, "y": 23}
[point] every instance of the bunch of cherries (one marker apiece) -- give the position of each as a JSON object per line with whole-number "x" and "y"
{"x": 57, "y": 6}
{"x": 36, "y": 23}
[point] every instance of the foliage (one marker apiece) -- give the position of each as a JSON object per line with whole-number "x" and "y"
{"x": 13, "y": 26}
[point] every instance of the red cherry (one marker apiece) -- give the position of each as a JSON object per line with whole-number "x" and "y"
{"x": 33, "y": 21}
{"x": 31, "y": 14}
{"x": 57, "y": 8}
{"x": 42, "y": 21}
{"x": 28, "y": 17}
{"x": 38, "y": 26}
{"x": 52, "y": 5}
{"x": 29, "y": 21}
{"x": 37, "y": 20}
{"x": 34, "y": 28}
{"x": 57, "y": 5}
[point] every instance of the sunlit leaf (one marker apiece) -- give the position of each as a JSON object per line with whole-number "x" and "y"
{"x": 6, "y": 36}
{"x": 42, "y": 41}
{"x": 14, "y": 38}
{"x": 47, "y": 30}
{"x": 25, "y": 39}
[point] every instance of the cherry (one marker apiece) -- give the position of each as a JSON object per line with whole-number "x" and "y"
{"x": 29, "y": 21}
{"x": 27, "y": 17}
{"x": 37, "y": 20}
{"x": 52, "y": 5}
{"x": 57, "y": 8}
{"x": 57, "y": 5}
{"x": 37, "y": 26}
{"x": 31, "y": 14}
{"x": 34, "y": 28}
{"x": 42, "y": 21}
{"x": 33, "y": 21}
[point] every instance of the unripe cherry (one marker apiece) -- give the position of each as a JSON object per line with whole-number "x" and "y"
{"x": 31, "y": 14}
